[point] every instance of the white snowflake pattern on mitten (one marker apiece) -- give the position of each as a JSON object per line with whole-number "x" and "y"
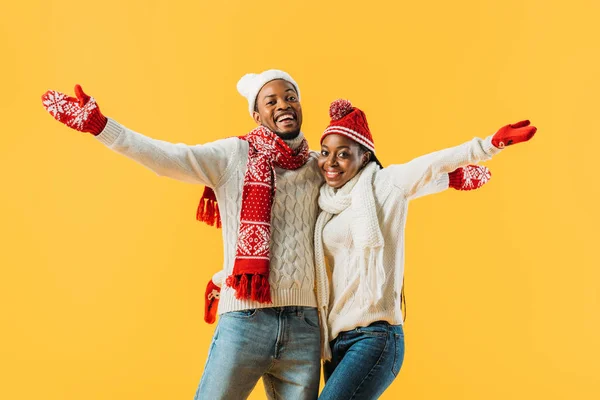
{"x": 475, "y": 176}
{"x": 80, "y": 113}
{"x": 69, "y": 112}
{"x": 470, "y": 177}
{"x": 55, "y": 103}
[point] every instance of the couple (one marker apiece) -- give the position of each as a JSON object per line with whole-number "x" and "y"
{"x": 268, "y": 188}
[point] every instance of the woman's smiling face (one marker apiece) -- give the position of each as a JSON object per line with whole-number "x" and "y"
{"x": 340, "y": 160}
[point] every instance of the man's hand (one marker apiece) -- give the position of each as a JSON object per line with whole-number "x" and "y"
{"x": 211, "y": 302}
{"x": 80, "y": 113}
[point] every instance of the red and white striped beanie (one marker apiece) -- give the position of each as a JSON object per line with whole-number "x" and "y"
{"x": 350, "y": 122}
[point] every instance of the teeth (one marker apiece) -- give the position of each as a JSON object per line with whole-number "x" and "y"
{"x": 286, "y": 116}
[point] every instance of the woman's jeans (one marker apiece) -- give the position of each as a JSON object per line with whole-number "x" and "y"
{"x": 279, "y": 344}
{"x": 364, "y": 362}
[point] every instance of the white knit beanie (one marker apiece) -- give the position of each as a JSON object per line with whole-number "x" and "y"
{"x": 250, "y": 84}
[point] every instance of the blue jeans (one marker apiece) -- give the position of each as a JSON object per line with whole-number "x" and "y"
{"x": 280, "y": 344}
{"x": 364, "y": 362}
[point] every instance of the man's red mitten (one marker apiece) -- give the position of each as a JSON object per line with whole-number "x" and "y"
{"x": 470, "y": 177}
{"x": 81, "y": 113}
{"x": 211, "y": 302}
{"x": 513, "y": 134}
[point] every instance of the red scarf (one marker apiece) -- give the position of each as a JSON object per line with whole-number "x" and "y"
{"x": 266, "y": 150}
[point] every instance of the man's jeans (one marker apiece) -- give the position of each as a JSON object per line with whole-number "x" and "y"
{"x": 280, "y": 344}
{"x": 364, "y": 363}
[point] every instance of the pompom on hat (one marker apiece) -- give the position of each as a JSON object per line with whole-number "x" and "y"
{"x": 250, "y": 84}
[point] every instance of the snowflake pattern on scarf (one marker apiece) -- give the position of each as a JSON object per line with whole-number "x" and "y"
{"x": 250, "y": 276}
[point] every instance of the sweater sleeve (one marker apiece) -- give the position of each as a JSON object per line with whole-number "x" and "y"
{"x": 202, "y": 164}
{"x": 436, "y": 185}
{"x": 416, "y": 175}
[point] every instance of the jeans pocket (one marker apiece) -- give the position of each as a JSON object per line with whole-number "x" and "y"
{"x": 243, "y": 314}
{"x": 310, "y": 319}
{"x": 398, "y": 353}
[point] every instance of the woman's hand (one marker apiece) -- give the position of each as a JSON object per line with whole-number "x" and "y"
{"x": 513, "y": 134}
{"x": 470, "y": 177}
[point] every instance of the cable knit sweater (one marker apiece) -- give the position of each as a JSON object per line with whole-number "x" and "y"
{"x": 222, "y": 165}
{"x": 347, "y": 310}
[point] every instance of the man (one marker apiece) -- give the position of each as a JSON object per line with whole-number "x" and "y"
{"x": 266, "y": 185}
{"x": 269, "y": 325}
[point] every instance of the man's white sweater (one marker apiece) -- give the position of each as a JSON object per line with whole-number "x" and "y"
{"x": 221, "y": 165}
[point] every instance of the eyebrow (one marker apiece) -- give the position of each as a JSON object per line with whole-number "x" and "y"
{"x": 339, "y": 147}
{"x": 288, "y": 90}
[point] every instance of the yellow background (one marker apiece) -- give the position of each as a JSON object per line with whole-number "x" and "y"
{"x": 103, "y": 266}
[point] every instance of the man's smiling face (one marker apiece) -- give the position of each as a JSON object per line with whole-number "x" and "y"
{"x": 278, "y": 108}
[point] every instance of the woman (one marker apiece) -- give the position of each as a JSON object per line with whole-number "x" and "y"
{"x": 359, "y": 235}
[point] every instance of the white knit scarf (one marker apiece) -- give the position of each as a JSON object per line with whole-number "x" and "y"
{"x": 358, "y": 194}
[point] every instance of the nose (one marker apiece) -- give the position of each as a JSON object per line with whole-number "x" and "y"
{"x": 331, "y": 160}
{"x": 282, "y": 104}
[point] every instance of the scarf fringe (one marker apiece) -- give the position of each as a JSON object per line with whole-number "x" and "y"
{"x": 250, "y": 286}
{"x": 208, "y": 209}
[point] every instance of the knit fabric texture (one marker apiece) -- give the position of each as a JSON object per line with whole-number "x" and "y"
{"x": 267, "y": 151}
{"x": 222, "y": 165}
{"x": 345, "y": 305}
{"x": 81, "y": 113}
{"x": 350, "y": 122}
{"x": 250, "y": 84}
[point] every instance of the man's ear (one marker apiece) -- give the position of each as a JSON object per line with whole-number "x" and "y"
{"x": 256, "y": 117}
{"x": 366, "y": 157}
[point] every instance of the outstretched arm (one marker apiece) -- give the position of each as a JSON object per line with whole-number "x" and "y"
{"x": 203, "y": 164}
{"x": 471, "y": 177}
{"x": 418, "y": 173}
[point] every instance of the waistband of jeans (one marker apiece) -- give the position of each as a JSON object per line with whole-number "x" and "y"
{"x": 291, "y": 309}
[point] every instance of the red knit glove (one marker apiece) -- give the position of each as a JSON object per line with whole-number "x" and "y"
{"x": 81, "y": 113}
{"x": 211, "y": 302}
{"x": 513, "y": 134}
{"x": 470, "y": 177}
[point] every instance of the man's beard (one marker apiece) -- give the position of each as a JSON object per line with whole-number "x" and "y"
{"x": 288, "y": 135}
